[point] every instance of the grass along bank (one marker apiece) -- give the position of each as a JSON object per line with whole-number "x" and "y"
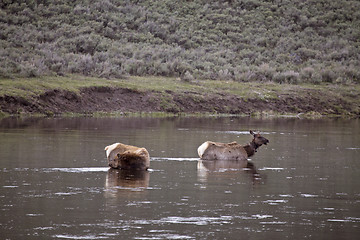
{"x": 90, "y": 95}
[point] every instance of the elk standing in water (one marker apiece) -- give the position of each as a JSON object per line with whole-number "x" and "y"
{"x": 231, "y": 151}
{"x": 127, "y": 157}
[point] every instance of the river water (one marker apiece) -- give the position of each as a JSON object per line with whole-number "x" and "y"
{"x": 55, "y": 183}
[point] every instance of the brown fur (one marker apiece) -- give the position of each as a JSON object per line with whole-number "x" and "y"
{"x": 127, "y": 157}
{"x": 231, "y": 151}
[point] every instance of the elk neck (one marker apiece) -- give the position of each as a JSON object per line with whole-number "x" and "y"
{"x": 251, "y": 148}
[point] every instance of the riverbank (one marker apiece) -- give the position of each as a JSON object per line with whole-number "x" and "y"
{"x": 85, "y": 95}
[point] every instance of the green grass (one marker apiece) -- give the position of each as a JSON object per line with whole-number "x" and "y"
{"x": 163, "y": 89}
{"x": 30, "y": 87}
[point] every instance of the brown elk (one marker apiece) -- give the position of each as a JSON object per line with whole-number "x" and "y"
{"x": 127, "y": 157}
{"x": 231, "y": 151}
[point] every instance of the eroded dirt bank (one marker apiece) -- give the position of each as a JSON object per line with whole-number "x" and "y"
{"x": 108, "y": 99}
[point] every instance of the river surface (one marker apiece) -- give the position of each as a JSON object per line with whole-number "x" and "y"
{"x": 55, "y": 183}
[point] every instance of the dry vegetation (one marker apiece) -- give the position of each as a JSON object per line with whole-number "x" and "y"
{"x": 241, "y": 40}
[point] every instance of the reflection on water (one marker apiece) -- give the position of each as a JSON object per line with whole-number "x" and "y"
{"x": 118, "y": 180}
{"x": 55, "y": 182}
{"x": 221, "y": 165}
{"x": 207, "y": 168}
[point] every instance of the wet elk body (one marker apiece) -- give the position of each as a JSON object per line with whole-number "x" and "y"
{"x": 127, "y": 157}
{"x": 231, "y": 151}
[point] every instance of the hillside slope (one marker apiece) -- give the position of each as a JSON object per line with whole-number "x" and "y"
{"x": 244, "y": 40}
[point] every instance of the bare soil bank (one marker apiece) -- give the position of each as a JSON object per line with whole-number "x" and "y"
{"x": 114, "y": 99}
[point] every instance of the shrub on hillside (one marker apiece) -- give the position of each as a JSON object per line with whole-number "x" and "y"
{"x": 252, "y": 40}
{"x": 306, "y": 74}
{"x": 328, "y": 76}
{"x": 291, "y": 77}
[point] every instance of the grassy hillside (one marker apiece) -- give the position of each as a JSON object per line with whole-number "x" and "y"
{"x": 286, "y": 41}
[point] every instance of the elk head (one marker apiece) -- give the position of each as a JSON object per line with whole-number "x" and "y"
{"x": 258, "y": 139}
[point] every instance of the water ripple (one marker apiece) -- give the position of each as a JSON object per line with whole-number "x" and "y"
{"x": 173, "y": 159}
{"x": 77, "y": 170}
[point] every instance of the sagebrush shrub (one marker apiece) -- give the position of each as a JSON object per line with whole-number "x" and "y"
{"x": 212, "y": 40}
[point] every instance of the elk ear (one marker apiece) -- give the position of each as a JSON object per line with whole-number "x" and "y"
{"x": 252, "y": 133}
